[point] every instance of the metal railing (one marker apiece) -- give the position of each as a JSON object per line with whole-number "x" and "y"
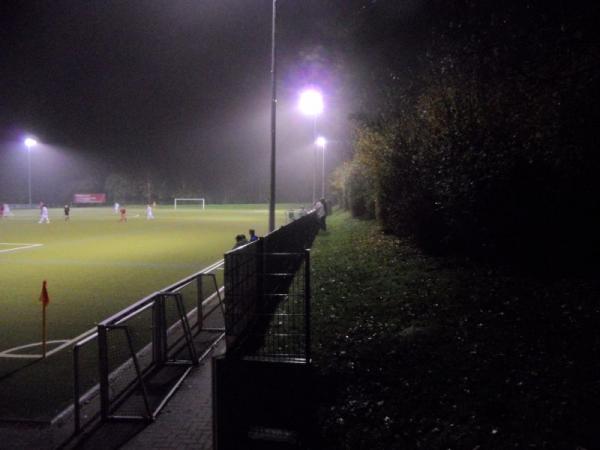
{"x": 134, "y": 344}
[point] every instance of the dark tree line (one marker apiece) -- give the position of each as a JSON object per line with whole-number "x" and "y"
{"x": 483, "y": 138}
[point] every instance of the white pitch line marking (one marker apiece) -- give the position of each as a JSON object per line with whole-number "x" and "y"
{"x": 10, "y": 353}
{"x": 23, "y": 246}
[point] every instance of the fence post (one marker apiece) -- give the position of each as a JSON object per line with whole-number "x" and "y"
{"x": 159, "y": 338}
{"x": 76, "y": 391}
{"x": 260, "y": 272}
{"x": 307, "y": 296}
{"x": 103, "y": 371}
{"x": 138, "y": 371}
{"x": 199, "y": 320}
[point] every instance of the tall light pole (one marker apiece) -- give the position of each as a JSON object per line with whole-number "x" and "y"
{"x": 314, "y": 177}
{"x": 322, "y": 142}
{"x": 29, "y": 143}
{"x": 311, "y": 104}
{"x": 273, "y": 116}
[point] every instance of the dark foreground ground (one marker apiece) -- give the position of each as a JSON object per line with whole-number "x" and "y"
{"x": 433, "y": 353}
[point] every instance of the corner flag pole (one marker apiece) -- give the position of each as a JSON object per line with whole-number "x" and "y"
{"x": 44, "y": 331}
{"x": 45, "y": 299}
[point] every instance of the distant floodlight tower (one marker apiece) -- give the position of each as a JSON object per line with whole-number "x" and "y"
{"x": 311, "y": 104}
{"x": 322, "y": 142}
{"x": 29, "y": 143}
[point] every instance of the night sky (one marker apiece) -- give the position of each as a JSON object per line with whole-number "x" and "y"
{"x": 177, "y": 92}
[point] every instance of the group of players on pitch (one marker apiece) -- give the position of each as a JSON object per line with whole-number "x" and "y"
{"x": 45, "y": 217}
{"x": 122, "y": 211}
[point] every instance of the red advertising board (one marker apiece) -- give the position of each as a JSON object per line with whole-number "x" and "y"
{"x": 89, "y": 198}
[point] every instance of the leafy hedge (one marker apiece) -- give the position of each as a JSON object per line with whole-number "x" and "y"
{"x": 492, "y": 147}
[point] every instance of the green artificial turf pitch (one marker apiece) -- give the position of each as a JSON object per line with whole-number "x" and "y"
{"x": 95, "y": 265}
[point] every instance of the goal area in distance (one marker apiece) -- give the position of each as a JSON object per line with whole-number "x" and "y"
{"x": 189, "y": 203}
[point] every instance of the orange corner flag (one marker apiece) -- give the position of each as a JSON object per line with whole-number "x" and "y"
{"x": 44, "y": 298}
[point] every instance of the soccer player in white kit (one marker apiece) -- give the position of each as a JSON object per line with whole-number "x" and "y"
{"x": 44, "y": 215}
{"x": 149, "y": 214}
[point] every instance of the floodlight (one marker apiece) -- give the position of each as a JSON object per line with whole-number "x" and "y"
{"x": 321, "y": 141}
{"x": 30, "y": 142}
{"x": 311, "y": 102}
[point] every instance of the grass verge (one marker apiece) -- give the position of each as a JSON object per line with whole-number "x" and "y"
{"x": 428, "y": 352}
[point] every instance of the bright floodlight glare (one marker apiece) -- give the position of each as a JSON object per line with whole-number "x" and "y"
{"x": 29, "y": 142}
{"x": 321, "y": 141}
{"x": 311, "y": 102}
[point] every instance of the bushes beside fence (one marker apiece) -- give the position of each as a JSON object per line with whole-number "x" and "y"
{"x": 481, "y": 151}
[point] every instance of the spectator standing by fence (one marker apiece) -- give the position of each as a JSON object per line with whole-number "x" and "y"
{"x": 253, "y": 236}
{"x": 240, "y": 240}
{"x": 321, "y": 208}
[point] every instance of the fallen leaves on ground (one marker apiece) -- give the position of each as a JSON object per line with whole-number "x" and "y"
{"x": 434, "y": 353}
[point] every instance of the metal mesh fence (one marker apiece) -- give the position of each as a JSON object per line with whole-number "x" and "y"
{"x": 281, "y": 330}
{"x": 294, "y": 237}
{"x": 241, "y": 287}
{"x": 268, "y": 295}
